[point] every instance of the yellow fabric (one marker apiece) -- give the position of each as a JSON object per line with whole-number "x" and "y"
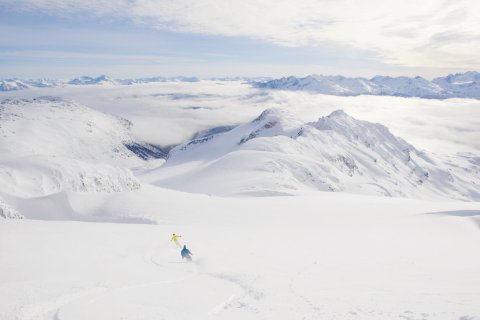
{"x": 175, "y": 238}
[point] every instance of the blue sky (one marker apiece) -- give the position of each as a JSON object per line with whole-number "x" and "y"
{"x": 133, "y": 38}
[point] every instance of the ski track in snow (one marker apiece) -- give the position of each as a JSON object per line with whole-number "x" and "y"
{"x": 52, "y": 310}
{"x": 243, "y": 300}
{"x": 302, "y": 293}
{"x": 249, "y": 295}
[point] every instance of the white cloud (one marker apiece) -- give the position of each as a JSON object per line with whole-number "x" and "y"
{"x": 162, "y": 113}
{"x": 430, "y": 33}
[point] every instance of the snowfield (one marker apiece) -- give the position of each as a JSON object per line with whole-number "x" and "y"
{"x": 320, "y": 255}
{"x": 295, "y": 205}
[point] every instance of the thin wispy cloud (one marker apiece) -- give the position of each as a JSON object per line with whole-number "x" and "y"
{"x": 430, "y": 33}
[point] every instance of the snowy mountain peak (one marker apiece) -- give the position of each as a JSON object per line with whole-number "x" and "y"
{"x": 265, "y": 114}
{"x": 275, "y": 115}
{"x": 342, "y": 123}
{"x": 270, "y": 122}
{"x": 338, "y": 114}
{"x": 277, "y": 153}
{"x": 281, "y": 123}
{"x": 338, "y": 121}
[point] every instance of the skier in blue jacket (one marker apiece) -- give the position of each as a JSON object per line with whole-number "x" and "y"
{"x": 186, "y": 254}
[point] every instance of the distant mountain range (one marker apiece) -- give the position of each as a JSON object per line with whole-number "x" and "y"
{"x": 460, "y": 85}
{"x": 14, "y": 84}
{"x": 21, "y": 84}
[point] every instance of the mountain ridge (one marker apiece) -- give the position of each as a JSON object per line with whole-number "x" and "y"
{"x": 276, "y": 153}
{"x": 458, "y": 85}
{"x": 438, "y": 88}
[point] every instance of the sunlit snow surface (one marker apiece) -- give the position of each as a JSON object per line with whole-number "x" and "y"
{"x": 320, "y": 255}
{"x": 259, "y": 255}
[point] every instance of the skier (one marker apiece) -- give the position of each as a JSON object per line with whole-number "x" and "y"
{"x": 175, "y": 240}
{"x": 186, "y": 254}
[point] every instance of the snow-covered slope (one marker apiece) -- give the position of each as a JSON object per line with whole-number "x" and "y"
{"x": 52, "y": 126}
{"x": 36, "y": 176}
{"x": 49, "y": 144}
{"x": 315, "y": 256}
{"x": 465, "y": 85}
{"x": 279, "y": 154}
